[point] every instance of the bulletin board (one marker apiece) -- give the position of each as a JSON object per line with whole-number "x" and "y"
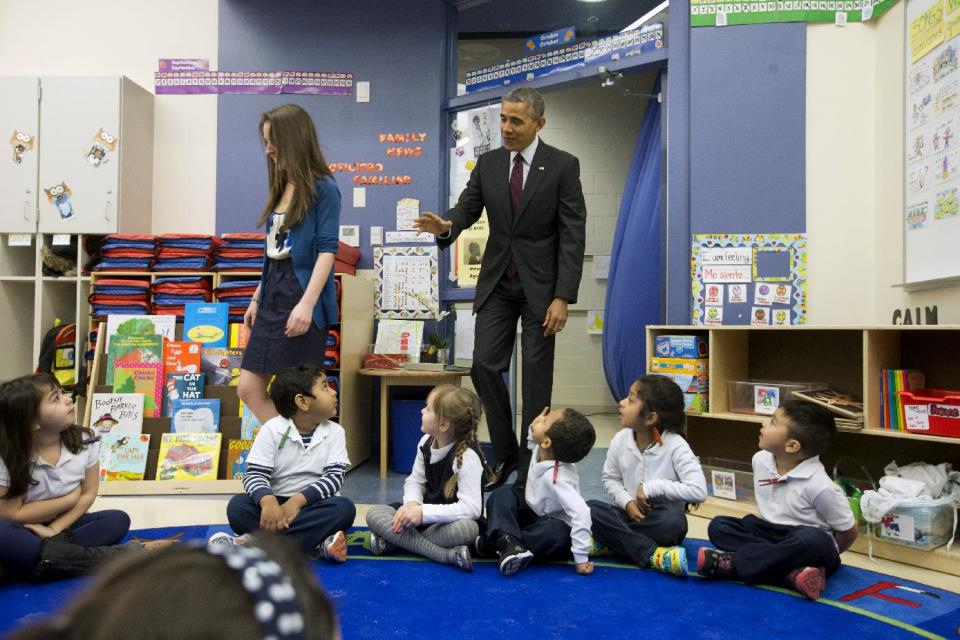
{"x": 407, "y": 282}
{"x": 931, "y": 213}
{"x": 758, "y": 279}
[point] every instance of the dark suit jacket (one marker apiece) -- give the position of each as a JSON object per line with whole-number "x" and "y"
{"x": 546, "y": 239}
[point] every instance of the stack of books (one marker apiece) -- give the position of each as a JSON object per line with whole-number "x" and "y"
{"x": 847, "y": 410}
{"x": 891, "y": 406}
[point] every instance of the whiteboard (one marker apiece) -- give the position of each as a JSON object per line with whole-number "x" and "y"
{"x": 931, "y": 212}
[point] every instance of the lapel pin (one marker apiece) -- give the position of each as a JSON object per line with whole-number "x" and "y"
{"x": 541, "y": 168}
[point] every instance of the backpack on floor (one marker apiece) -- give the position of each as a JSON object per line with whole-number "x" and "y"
{"x": 58, "y": 353}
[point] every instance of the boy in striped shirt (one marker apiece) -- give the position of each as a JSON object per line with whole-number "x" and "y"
{"x": 294, "y": 470}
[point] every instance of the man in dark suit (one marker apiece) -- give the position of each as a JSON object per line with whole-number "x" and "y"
{"x": 531, "y": 266}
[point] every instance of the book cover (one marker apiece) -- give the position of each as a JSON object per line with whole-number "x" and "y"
{"x": 127, "y": 325}
{"x": 239, "y": 335}
{"x": 249, "y": 425}
{"x": 134, "y": 348}
{"x": 840, "y": 403}
{"x": 206, "y": 322}
{"x": 195, "y": 416}
{"x": 237, "y": 451}
{"x": 221, "y": 365}
{"x": 188, "y": 456}
{"x": 116, "y": 413}
{"x": 141, "y": 377}
{"x": 181, "y": 357}
{"x": 123, "y": 456}
{"x": 181, "y": 386}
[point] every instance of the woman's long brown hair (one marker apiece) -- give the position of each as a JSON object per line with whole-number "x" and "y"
{"x": 299, "y": 160}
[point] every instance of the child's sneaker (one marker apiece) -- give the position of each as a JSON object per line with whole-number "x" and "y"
{"x": 810, "y": 581}
{"x": 461, "y": 558}
{"x": 379, "y": 545}
{"x": 334, "y": 548}
{"x": 514, "y": 557}
{"x": 712, "y": 563}
{"x": 480, "y": 547}
{"x": 672, "y": 560}
{"x": 225, "y": 538}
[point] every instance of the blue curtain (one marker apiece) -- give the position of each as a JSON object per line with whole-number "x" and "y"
{"x": 634, "y": 283}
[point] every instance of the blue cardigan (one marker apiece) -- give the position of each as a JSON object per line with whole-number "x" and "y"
{"x": 318, "y": 232}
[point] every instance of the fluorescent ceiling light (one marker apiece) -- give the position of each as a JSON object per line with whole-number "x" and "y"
{"x": 660, "y": 7}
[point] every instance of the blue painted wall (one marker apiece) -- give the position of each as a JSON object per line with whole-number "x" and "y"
{"x": 747, "y": 135}
{"x": 397, "y": 45}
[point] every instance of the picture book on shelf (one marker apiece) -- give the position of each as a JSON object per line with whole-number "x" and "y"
{"x": 127, "y": 325}
{"x": 181, "y": 357}
{"x": 206, "y": 322}
{"x": 140, "y": 377}
{"x": 147, "y": 349}
{"x": 188, "y": 456}
{"x": 221, "y": 365}
{"x": 237, "y": 451}
{"x": 249, "y": 425}
{"x": 181, "y": 386}
{"x": 116, "y": 413}
{"x": 123, "y": 456}
{"x": 195, "y": 416}
{"x": 840, "y": 403}
{"x": 239, "y": 335}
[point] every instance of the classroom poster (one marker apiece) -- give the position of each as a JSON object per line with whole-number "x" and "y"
{"x": 764, "y": 276}
{"x": 719, "y": 13}
{"x": 406, "y": 277}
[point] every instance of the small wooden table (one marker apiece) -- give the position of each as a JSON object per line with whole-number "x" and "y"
{"x": 403, "y": 378}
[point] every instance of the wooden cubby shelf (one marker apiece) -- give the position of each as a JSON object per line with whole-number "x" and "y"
{"x": 849, "y": 359}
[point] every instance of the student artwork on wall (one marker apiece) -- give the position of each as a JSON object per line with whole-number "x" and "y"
{"x": 468, "y": 250}
{"x": 931, "y": 207}
{"x": 742, "y": 279}
{"x": 718, "y": 13}
{"x": 405, "y": 275}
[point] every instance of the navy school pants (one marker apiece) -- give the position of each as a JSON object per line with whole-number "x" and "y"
{"x": 309, "y": 529}
{"x": 507, "y": 512}
{"x": 665, "y": 526}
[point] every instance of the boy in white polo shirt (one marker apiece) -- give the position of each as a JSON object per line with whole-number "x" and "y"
{"x": 295, "y": 469}
{"x": 805, "y": 520}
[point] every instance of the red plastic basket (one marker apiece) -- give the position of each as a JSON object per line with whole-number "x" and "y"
{"x": 934, "y": 412}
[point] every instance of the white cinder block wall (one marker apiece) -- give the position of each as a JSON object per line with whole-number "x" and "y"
{"x": 599, "y": 125}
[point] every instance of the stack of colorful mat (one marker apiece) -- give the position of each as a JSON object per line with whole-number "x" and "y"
{"x": 170, "y": 293}
{"x": 184, "y": 252}
{"x": 127, "y": 252}
{"x": 239, "y": 252}
{"x": 237, "y": 294}
{"x": 127, "y": 296}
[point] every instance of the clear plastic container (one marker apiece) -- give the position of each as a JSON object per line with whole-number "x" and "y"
{"x": 922, "y": 524}
{"x": 762, "y": 397}
{"x": 729, "y": 479}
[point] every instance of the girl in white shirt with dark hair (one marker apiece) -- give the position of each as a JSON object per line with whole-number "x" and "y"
{"x": 652, "y": 475}
{"x": 443, "y": 495}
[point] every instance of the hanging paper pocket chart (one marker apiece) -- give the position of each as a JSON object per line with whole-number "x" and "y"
{"x": 749, "y": 279}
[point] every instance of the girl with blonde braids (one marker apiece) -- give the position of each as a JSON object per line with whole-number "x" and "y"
{"x": 443, "y": 495}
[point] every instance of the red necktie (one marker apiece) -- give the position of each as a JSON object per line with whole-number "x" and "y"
{"x": 516, "y": 194}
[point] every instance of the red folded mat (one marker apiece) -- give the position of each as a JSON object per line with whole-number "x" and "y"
{"x": 118, "y": 282}
{"x": 132, "y": 236}
{"x": 243, "y": 236}
{"x": 343, "y": 267}
{"x": 348, "y": 254}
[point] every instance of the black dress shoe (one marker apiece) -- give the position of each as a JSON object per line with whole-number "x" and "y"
{"x": 501, "y": 472}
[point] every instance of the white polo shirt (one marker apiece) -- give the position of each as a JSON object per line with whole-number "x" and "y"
{"x": 805, "y": 495}
{"x": 279, "y": 446}
{"x": 60, "y": 479}
{"x": 670, "y": 471}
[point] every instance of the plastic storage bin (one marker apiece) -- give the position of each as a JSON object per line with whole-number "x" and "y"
{"x": 763, "y": 396}
{"x": 933, "y": 412}
{"x": 922, "y": 524}
{"x": 404, "y": 432}
{"x": 729, "y": 479}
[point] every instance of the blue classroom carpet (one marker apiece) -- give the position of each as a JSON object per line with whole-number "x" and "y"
{"x": 407, "y": 597}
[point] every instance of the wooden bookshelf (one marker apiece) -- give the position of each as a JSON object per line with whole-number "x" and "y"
{"x": 849, "y": 359}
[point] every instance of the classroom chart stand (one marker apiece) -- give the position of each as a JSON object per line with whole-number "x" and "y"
{"x": 356, "y": 331}
{"x": 403, "y": 378}
{"x": 849, "y": 359}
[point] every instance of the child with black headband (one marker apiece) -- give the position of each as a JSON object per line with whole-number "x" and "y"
{"x": 258, "y": 590}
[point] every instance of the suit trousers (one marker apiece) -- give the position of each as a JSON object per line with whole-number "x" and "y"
{"x": 766, "y": 552}
{"x": 495, "y": 334}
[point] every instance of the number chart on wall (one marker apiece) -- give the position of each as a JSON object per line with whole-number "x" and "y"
{"x": 932, "y": 152}
{"x": 757, "y": 280}
{"x": 407, "y": 283}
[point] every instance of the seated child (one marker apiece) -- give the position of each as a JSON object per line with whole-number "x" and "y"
{"x": 548, "y": 518}
{"x": 260, "y": 590}
{"x": 294, "y": 470}
{"x": 805, "y": 520}
{"x": 443, "y": 495}
{"x": 49, "y": 475}
{"x": 651, "y": 474}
